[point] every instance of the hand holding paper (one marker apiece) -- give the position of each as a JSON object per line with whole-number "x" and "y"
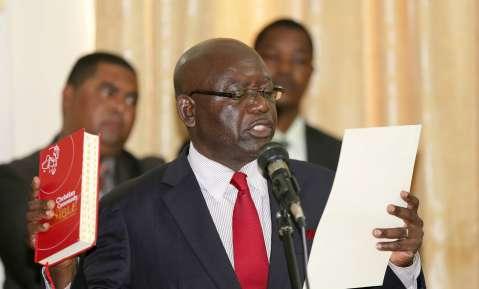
{"x": 406, "y": 240}
{"x": 365, "y": 205}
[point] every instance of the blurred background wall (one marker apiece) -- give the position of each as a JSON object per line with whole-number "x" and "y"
{"x": 377, "y": 62}
{"x": 39, "y": 42}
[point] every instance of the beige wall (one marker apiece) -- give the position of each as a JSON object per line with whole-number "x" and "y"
{"x": 379, "y": 62}
{"x": 39, "y": 41}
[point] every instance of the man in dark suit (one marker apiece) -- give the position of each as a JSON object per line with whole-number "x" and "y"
{"x": 206, "y": 220}
{"x": 100, "y": 95}
{"x": 287, "y": 49}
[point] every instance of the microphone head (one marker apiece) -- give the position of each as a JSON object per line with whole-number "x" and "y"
{"x": 270, "y": 152}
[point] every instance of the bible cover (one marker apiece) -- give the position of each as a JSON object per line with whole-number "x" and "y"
{"x": 68, "y": 172}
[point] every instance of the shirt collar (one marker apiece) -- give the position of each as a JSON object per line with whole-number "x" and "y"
{"x": 215, "y": 177}
{"x": 295, "y": 131}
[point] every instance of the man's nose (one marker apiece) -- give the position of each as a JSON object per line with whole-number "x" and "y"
{"x": 284, "y": 66}
{"x": 117, "y": 102}
{"x": 258, "y": 103}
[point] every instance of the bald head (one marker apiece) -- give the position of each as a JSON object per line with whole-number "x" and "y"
{"x": 223, "y": 128}
{"x": 200, "y": 65}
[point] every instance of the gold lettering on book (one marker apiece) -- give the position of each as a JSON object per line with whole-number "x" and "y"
{"x": 65, "y": 206}
{"x": 65, "y": 212}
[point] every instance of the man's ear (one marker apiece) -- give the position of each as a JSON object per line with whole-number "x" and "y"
{"x": 311, "y": 70}
{"x": 185, "y": 106}
{"x": 68, "y": 95}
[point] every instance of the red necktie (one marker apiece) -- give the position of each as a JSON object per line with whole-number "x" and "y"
{"x": 251, "y": 261}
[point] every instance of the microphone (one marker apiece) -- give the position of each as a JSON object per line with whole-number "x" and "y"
{"x": 273, "y": 161}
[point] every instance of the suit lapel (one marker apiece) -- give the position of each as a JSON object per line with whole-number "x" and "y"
{"x": 186, "y": 204}
{"x": 278, "y": 273}
{"x": 311, "y": 146}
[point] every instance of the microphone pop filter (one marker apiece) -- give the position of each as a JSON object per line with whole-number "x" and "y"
{"x": 270, "y": 152}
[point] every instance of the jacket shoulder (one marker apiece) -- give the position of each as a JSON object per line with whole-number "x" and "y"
{"x": 306, "y": 170}
{"x": 137, "y": 189}
{"x": 317, "y": 135}
{"x": 139, "y": 165}
{"x": 150, "y": 162}
{"x": 322, "y": 148}
{"x": 314, "y": 180}
{"x": 315, "y": 183}
{"x": 25, "y": 168}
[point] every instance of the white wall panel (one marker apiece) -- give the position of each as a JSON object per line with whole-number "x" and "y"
{"x": 39, "y": 41}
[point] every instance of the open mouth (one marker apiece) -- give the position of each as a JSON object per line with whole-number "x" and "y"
{"x": 261, "y": 128}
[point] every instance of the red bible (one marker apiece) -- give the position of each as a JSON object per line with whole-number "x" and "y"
{"x": 68, "y": 172}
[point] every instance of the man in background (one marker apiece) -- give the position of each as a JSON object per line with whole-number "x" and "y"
{"x": 100, "y": 95}
{"x": 287, "y": 49}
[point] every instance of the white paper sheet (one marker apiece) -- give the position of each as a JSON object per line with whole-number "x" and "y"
{"x": 374, "y": 166}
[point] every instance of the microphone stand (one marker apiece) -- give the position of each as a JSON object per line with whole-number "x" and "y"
{"x": 285, "y": 231}
{"x": 273, "y": 161}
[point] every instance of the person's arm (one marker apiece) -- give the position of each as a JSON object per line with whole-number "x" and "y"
{"x": 108, "y": 264}
{"x": 408, "y": 275}
{"x": 46, "y": 282}
{"x": 37, "y": 216}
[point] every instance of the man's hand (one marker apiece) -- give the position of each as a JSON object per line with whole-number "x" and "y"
{"x": 38, "y": 214}
{"x": 408, "y": 239}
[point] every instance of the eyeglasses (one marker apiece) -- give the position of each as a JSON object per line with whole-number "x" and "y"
{"x": 270, "y": 95}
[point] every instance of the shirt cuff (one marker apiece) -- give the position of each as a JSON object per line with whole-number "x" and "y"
{"x": 408, "y": 275}
{"x": 47, "y": 284}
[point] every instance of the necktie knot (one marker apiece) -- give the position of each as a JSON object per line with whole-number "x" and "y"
{"x": 239, "y": 181}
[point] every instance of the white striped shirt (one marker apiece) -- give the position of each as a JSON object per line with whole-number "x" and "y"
{"x": 220, "y": 196}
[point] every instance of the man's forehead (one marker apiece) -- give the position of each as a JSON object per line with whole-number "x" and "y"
{"x": 113, "y": 73}
{"x": 112, "y": 70}
{"x": 211, "y": 61}
{"x": 247, "y": 72}
{"x": 285, "y": 38}
{"x": 258, "y": 74}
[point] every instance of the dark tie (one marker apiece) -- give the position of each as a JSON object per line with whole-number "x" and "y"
{"x": 106, "y": 177}
{"x": 250, "y": 259}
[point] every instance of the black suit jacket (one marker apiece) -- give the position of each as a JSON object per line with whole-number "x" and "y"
{"x": 15, "y": 179}
{"x": 155, "y": 231}
{"x": 322, "y": 149}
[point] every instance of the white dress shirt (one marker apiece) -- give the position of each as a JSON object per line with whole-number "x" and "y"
{"x": 220, "y": 196}
{"x": 295, "y": 138}
{"x": 2, "y": 272}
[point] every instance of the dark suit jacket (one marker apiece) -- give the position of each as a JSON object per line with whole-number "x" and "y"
{"x": 322, "y": 149}
{"x": 155, "y": 231}
{"x": 15, "y": 180}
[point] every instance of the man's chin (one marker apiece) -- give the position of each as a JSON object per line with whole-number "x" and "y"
{"x": 110, "y": 146}
{"x": 254, "y": 147}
